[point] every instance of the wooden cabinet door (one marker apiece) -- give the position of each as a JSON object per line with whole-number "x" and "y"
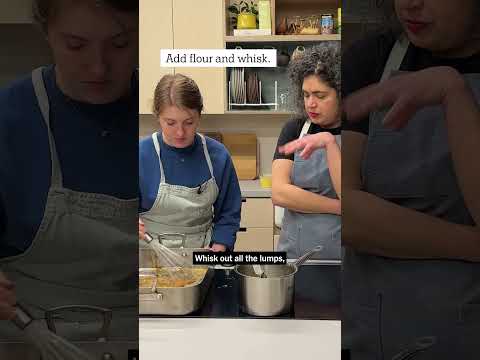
{"x": 201, "y": 26}
{"x": 257, "y": 213}
{"x": 155, "y": 33}
{"x": 254, "y": 239}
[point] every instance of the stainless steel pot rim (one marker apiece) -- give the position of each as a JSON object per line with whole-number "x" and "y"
{"x": 295, "y": 270}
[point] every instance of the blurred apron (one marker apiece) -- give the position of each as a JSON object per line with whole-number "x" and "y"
{"x": 302, "y": 232}
{"x": 182, "y": 210}
{"x": 389, "y": 304}
{"x": 84, "y": 253}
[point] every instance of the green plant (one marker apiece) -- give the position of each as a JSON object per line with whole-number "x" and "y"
{"x": 242, "y": 7}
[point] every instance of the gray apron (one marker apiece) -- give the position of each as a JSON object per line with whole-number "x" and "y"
{"x": 388, "y": 304}
{"x": 182, "y": 210}
{"x": 302, "y": 232}
{"x": 84, "y": 253}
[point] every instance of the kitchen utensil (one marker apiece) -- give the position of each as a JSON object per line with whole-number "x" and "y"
{"x": 173, "y": 300}
{"x": 50, "y": 345}
{"x": 420, "y": 345}
{"x": 272, "y": 295}
{"x": 259, "y": 270}
{"x": 165, "y": 255}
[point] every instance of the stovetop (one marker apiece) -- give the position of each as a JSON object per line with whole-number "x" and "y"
{"x": 317, "y": 295}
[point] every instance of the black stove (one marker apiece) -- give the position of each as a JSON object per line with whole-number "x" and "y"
{"x": 317, "y": 295}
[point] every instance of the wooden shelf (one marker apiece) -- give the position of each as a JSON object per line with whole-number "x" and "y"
{"x": 258, "y": 112}
{"x": 283, "y": 38}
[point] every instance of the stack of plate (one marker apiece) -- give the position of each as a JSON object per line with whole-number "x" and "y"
{"x": 237, "y": 86}
{"x": 253, "y": 93}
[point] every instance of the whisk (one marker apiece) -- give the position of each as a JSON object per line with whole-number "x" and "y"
{"x": 177, "y": 265}
{"x": 50, "y": 345}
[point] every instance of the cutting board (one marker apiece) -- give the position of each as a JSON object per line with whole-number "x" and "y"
{"x": 243, "y": 150}
{"x": 214, "y": 135}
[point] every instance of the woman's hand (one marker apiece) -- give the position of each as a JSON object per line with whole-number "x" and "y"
{"x": 308, "y": 144}
{"x": 141, "y": 229}
{"x": 7, "y": 298}
{"x": 218, "y": 248}
{"x": 405, "y": 94}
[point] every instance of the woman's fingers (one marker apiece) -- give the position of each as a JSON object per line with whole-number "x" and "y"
{"x": 399, "y": 114}
{"x": 292, "y": 146}
{"x": 307, "y": 151}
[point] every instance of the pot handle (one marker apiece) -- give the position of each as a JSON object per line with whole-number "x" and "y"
{"x": 151, "y": 297}
{"x": 307, "y": 255}
{"x": 51, "y": 314}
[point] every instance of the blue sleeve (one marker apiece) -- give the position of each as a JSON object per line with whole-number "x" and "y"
{"x": 227, "y": 207}
{"x": 149, "y": 174}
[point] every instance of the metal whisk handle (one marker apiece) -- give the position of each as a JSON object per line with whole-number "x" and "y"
{"x": 22, "y": 318}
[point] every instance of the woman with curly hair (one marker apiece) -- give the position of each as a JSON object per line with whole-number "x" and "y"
{"x": 310, "y": 189}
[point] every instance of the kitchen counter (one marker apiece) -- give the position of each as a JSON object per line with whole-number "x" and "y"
{"x": 219, "y": 339}
{"x": 317, "y": 295}
{"x": 252, "y": 189}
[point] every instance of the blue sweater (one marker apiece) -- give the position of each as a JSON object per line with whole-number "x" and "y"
{"x": 90, "y": 162}
{"x": 188, "y": 167}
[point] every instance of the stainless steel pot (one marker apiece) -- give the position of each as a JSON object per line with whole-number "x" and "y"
{"x": 272, "y": 295}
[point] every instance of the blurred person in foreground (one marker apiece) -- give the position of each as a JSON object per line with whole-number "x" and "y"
{"x": 411, "y": 202}
{"x": 68, "y": 165}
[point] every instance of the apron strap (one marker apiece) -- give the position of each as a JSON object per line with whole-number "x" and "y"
{"x": 393, "y": 63}
{"x": 305, "y": 128}
{"x": 396, "y": 57}
{"x": 157, "y": 149}
{"x": 43, "y": 103}
{"x": 207, "y": 155}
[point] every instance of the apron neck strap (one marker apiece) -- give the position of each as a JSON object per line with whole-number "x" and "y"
{"x": 207, "y": 155}
{"x": 43, "y": 103}
{"x": 305, "y": 128}
{"x": 157, "y": 149}
{"x": 396, "y": 56}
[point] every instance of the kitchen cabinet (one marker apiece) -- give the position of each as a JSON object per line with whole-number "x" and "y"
{"x": 200, "y": 27}
{"x": 254, "y": 239}
{"x": 15, "y": 12}
{"x": 168, "y": 24}
{"x": 256, "y": 226}
{"x": 274, "y": 88}
{"x": 155, "y": 33}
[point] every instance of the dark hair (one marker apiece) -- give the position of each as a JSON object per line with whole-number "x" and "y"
{"x": 44, "y": 10}
{"x": 322, "y": 60}
{"x": 178, "y": 90}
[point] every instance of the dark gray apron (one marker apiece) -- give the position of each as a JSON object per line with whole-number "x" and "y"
{"x": 302, "y": 232}
{"x": 388, "y": 304}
